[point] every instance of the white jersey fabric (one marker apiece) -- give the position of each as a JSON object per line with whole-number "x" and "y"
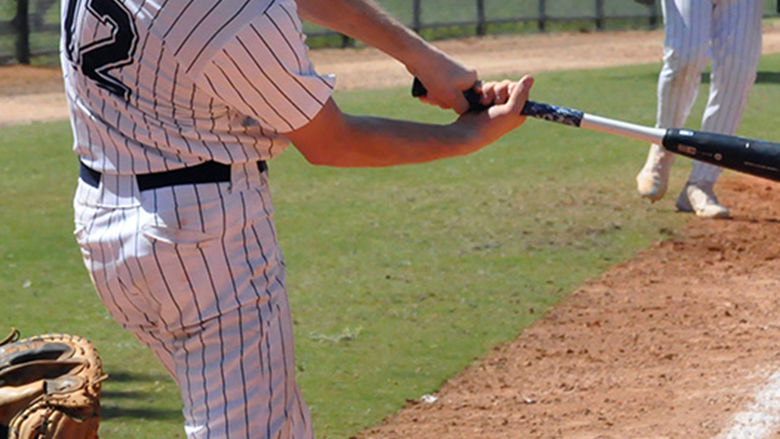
{"x": 204, "y": 80}
{"x": 193, "y": 269}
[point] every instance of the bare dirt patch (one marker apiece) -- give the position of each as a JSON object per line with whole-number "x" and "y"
{"x": 29, "y": 94}
{"x": 512, "y": 56}
{"x": 670, "y": 344}
{"x": 502, "y": 55}
{"x": 26, "y": 80}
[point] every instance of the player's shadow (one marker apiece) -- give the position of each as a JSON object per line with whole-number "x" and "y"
{"x": 754, "y": 220}
{"x": 761, "y": 78}
{"x": 114, "y": 412}
{"x": 111, "y": 397}
{"x": 768, "y": 77}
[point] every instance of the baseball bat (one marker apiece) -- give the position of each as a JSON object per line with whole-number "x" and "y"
{"x": 760, "y": 158}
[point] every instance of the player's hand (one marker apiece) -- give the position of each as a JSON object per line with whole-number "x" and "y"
{"x": 495, "y": 93}
{"x": 506, "y": 100}
{"x": 445, "y": 79}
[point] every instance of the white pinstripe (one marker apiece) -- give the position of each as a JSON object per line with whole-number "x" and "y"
{"x": 194, "y": 271}
{"x": 729, "y": 33}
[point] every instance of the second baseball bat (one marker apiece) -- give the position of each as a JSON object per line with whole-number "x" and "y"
{"x": 750, "y": 156}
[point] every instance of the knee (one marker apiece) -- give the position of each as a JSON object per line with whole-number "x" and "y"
{"x": 684, "y": 64}
{"x": 738, "y": 71}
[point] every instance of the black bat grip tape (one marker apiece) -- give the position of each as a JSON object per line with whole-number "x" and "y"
{"x": 475, "y": 106}
{"x": 552, "y": 113}
{"x": 473, "y": 98}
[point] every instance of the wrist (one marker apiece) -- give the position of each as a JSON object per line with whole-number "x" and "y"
{"x": 467, "y": 135}
{"x": 420, "y": 57}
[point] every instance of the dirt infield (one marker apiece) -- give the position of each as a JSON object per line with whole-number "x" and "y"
{"x": 674, "y": 343}
{"x": 671, "y": 344}
{"x": 35, "y": 94}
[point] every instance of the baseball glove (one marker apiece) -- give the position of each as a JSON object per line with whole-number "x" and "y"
{"x": 646, "y": 2}
{"x": 49, "y": 387}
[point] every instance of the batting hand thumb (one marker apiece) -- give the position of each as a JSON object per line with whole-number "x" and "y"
{"x": 519, "y": 94}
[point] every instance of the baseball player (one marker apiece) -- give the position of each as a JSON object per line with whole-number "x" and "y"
{"x": 729, "y": 33}
{"x": 176, "y": 108}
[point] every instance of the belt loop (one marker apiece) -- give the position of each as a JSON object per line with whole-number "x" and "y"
{"x": 88, "y": 175}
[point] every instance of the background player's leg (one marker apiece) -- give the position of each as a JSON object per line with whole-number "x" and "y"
{"x": 736, "y": 50}
{"x": 687, "y": 29}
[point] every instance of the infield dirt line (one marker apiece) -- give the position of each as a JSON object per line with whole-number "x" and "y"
{"x": 761, "y": 418}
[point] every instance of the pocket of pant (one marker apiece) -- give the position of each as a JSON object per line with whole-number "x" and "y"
{"x": 178, "y": 237}
{"x": 81, "y": 235}
{"x": 78, "y": 232}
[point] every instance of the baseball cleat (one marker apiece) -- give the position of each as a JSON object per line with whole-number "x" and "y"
{"x": 700, "y": 199}
{"x": 652, "y": 180}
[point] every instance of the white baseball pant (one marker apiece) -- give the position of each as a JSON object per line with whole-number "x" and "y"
{"x": 729, "y": 33}
{"x": 195, "y": 273}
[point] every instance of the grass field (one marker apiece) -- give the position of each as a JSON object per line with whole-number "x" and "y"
{"x": 398, "y": 277}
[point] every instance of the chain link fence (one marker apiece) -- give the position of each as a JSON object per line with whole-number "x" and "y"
{"x": 29, "y": 29}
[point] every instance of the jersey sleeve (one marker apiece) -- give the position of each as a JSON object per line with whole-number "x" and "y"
{"x": 264, "y": 72}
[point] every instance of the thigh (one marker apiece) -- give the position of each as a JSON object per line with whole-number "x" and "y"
{"x": 196, "y": 273}
{"x": 736, "y": 32}
{"x": 221, "y": 278}
{"x": 238, "y": 377}
{"x": 109, "y": 243}
{"x": 207, "y": 250}
{"x": 688, "y": 25}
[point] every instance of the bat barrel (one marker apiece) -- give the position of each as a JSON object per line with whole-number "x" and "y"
{"x": 751, "y": 156}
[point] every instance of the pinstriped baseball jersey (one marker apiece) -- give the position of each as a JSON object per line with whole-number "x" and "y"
{"x": 163, "y": 85}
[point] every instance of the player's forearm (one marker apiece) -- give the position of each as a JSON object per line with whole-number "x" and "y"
{"x": 373, "y": 142}
{"x": 368, "y": 22}
{"x": 333, "y": 138}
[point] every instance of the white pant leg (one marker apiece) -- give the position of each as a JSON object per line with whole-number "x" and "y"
{"x": 686, "y": 40}
{"x": 195, "y": 272}
{"x": 102, "y": 218}
{"x": 686, "y": 43}
{"x": 736, "y": 51}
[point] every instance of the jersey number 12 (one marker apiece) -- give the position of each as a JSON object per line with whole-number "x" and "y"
{"x": 97, "y": 57}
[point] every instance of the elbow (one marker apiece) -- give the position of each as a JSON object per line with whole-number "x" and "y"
{"x": 317, "y": 157}
{"x": 322, "y": 141}
{"x": 324, "y": 151}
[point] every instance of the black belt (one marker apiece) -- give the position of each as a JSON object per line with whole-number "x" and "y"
{"x": 206, "y": 172}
